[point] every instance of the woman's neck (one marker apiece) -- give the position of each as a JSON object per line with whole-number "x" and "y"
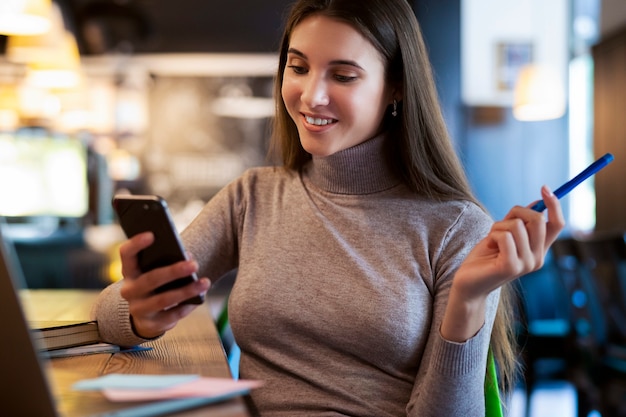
{"x": 361, "y": 169}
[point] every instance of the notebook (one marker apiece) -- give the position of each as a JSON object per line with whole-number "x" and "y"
{"x": 26, "y": 390}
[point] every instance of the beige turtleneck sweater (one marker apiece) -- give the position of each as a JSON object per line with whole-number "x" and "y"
{"x": 343, "y": 278}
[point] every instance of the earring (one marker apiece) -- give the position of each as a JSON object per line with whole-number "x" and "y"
{"x": 394, "y": 113}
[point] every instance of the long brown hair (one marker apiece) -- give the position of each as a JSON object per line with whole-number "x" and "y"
{"x": 421, "y": 150}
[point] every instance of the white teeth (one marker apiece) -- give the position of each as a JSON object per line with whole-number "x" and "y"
{"x": 318, "y": 121}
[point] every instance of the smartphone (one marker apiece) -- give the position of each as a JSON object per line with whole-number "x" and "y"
{"x": 143, "y": 213}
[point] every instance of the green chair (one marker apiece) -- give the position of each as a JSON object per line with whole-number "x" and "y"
{"x": 493, "y": 404}
{"x": 233, "y": 353}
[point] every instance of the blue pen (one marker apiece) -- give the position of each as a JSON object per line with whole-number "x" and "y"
{"x": 571, "y": 184}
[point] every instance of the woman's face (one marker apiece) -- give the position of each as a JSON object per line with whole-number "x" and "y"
{"x": 334, "y": 86}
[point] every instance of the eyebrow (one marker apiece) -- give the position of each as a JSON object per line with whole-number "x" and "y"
{"x": 333, "y": 62}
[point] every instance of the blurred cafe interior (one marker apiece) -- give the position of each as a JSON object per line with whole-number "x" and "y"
{"x": 174, "y": 98}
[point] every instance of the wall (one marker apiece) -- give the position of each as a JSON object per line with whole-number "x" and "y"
{"x": 507, "y": 161}
{"x": 487, "y": 25}
{"x": 612, "y": 17}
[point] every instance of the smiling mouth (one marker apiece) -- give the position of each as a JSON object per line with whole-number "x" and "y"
{"x": 317, "y": 121}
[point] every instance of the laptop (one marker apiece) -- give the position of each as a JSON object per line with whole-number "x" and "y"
{"x": 25, "y": 390}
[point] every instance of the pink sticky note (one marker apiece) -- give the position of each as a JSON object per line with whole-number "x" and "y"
{"x": 200, "y": 387}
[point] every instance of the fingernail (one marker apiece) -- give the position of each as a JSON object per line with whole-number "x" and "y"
{"x": 190, "y": 267}
{"x": 548, "y": 190}
{"x": 147, "y": 237}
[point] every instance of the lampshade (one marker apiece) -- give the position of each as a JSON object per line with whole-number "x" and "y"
{"x": 59, "y": 71}
{"x": 538, "y": 95}
{"x": 24, "y": 17}
{"x": 24, "y": 49}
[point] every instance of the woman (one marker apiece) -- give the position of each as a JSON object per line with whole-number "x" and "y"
{"x": 368, "y": 276}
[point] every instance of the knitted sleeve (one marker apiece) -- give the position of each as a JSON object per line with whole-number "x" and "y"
{"x": 451, "y": 377}
{"x": 111, "y": 312}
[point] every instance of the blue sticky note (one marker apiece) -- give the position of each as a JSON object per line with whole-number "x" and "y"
{"x": 133, "y": 381}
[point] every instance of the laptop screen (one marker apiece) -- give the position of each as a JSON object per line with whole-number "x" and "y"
{"x": 25, "y": 391}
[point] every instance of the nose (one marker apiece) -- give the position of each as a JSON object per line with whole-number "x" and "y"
{"x": 315, "y": 92}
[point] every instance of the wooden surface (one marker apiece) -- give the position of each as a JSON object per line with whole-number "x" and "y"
{"x": 192, "y": 347}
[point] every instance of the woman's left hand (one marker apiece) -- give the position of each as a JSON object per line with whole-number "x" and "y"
{"x": 515, "y": 246}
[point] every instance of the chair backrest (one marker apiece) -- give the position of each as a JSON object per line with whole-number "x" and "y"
{"x": 603, "y": 256}
{"x": 222, "y": 322}
{"x": 586, "y": 313}
{"x": 493, "y": 403}
{"x": 543, "y": 296}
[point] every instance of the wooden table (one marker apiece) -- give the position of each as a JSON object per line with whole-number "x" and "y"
{"x": 192, "y": 347}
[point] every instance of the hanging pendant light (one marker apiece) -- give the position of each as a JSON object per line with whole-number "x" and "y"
{"x": 22, "y": 49}
{"x": 24, "y": 17}
{"x": 538, "y": 95}
{"x": 59, "y": 71}
{"x": 52, "y": 59}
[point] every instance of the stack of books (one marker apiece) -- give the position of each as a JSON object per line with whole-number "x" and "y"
{"x": 55, "y": 335}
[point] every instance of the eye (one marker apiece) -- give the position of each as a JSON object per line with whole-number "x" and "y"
{"x": 297, "y": 69}
{"x": 345, "y": 78}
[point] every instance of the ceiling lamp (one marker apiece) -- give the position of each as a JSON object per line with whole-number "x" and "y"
{"x": 24, "y": 17}
{"x": 59, "y": 71}
{"x": 539, "y": 94}
{"x": 23, "y": 49}
{"x": 52, "y": 59}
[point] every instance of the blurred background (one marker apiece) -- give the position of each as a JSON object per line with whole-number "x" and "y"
{"x": 174, "y": 98}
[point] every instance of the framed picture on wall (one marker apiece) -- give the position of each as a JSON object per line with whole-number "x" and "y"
{"x": 510, "y": 58}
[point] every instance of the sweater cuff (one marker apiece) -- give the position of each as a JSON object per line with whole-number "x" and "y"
{"x": 114, "y": 323}
{"x": 453, "y": 359}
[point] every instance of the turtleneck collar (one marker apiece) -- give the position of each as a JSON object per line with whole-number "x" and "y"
{"x": 361, "y": 169}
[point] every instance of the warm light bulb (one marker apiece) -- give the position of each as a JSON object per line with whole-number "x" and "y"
{"x": 538, "y": 95}
{"x": 24, "y": 17}
{"x": 23, "y": 49}
{"x": 60, "y": 71}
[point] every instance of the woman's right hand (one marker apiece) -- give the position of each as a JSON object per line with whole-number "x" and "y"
{"x": 152, "y": 314}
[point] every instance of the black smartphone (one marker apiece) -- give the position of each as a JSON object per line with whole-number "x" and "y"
{"x": 143, "y": 213}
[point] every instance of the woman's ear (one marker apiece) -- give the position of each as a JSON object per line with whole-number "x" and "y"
{"x": 396, "y": 93}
